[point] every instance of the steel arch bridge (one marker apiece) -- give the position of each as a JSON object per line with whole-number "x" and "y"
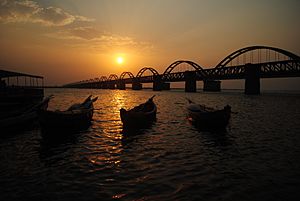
{"x": 282, "y": 68}
{"x": 288, "y": 67}
{"x": 241, "y": 51}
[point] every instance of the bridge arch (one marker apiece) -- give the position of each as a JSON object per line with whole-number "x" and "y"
{"x": 176, "y": 63}
{"x": 126, "y": 73}
{"x": 141, "y": 72}
{"x": 112, "y": 77}
{"x": 196, "y": 66}
{"x": 239, "y": 52}
{"x": 103, "y": 78}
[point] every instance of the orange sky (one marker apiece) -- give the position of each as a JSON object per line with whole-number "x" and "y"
{"x": 72, "y": 40}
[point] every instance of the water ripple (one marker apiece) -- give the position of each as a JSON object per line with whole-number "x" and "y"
{"x": 256, "y": 158}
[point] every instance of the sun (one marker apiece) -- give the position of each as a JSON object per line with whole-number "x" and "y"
{"x": 120, "y": 60}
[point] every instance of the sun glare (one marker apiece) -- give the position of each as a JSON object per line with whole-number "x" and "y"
{"x": 120, "y": 60}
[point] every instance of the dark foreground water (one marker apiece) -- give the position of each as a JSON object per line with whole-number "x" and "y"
{"x": 257, "y": 158}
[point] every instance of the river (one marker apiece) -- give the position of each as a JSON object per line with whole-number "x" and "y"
{"x": 256, "y": 158}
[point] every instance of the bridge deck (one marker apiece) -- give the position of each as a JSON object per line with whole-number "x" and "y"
{"x": 278, "y": 69}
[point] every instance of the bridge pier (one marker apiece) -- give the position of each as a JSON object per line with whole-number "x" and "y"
{"x": 121, "y": 85}
{"x": 103, "y": 85}
{"x": 252, "y": 79}
{"x": 97, "y": 85}
{"x": 211, "y": 85}
{"x": 111, "y": 85}
{"x": 190, "y": 81}
{"x": 136, "y": 85}
{"x": 166, "y": 86}
{"x": 157, "y": 83}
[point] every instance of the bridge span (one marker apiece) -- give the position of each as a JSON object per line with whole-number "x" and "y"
{"x": 249, "y": 63}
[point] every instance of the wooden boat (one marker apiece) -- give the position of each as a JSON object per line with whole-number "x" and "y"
{"x": 15, "y": 94}
{"x": 208, "y": 118}
{"x": 77, "y": 117}
{"x": 16, "y": 120}
{"x": 139, "y": 116}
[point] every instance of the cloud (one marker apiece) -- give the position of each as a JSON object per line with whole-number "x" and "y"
{"x": 77, "y": 35}
{"x": 109, "y": 41}
{"x": 91, "y": 38}
{"x": 87, "y": 33}
{"x": 12, "y": 11}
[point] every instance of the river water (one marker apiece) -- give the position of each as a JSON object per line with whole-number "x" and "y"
{"x": 256, "y": 158}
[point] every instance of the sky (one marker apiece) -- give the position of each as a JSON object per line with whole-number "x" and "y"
{"x": 72, "y": 40}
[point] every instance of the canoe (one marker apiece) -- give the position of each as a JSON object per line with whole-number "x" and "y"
{"x": 76, "y": 117}
{"x": 140, "y": 116}
{"x": 208, "y": 118}
{"x": 17, "y": 119}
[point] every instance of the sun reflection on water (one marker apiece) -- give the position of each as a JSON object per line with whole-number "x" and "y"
{"x": 109, "y": 127}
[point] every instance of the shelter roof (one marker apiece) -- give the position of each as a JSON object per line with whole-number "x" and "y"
{"x": 4, "y": 73}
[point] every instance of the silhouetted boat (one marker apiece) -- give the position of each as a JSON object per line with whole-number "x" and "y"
{"x": 139, "y": 116}
{"x": 15, "y": 94}
{"x": 19, "y": 101}
{"x": 208, "y": 118}
{"x": 77, "y": 117}
{"x": 16, "y": 120}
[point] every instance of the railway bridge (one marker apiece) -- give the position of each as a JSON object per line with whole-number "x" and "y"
{"x": 249, "y": 63}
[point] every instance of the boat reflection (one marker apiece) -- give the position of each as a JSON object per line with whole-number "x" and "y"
{"x": 52, "y": 148}
{"x": 216, "y": 138}
{"x": 59, "y": 136}
{"x": 137, "y": 130}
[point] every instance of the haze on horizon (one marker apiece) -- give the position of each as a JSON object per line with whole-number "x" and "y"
{"x": 72, "y": 40}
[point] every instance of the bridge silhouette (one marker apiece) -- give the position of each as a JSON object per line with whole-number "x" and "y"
{"x": 249, "y": 63}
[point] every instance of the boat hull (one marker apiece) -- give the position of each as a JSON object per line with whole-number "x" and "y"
{"x": 140, "y": 116}
{"x": 17, "y": 120}
{"x": 214, "y": 121}
{"x": 209, "y": 119}
{"x": 137, "y": 119}
{"x": 69, "y": 120}
{"x": 77, "y": 117}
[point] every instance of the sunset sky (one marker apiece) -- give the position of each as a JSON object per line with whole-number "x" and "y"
{"x": 72, "y": 40}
